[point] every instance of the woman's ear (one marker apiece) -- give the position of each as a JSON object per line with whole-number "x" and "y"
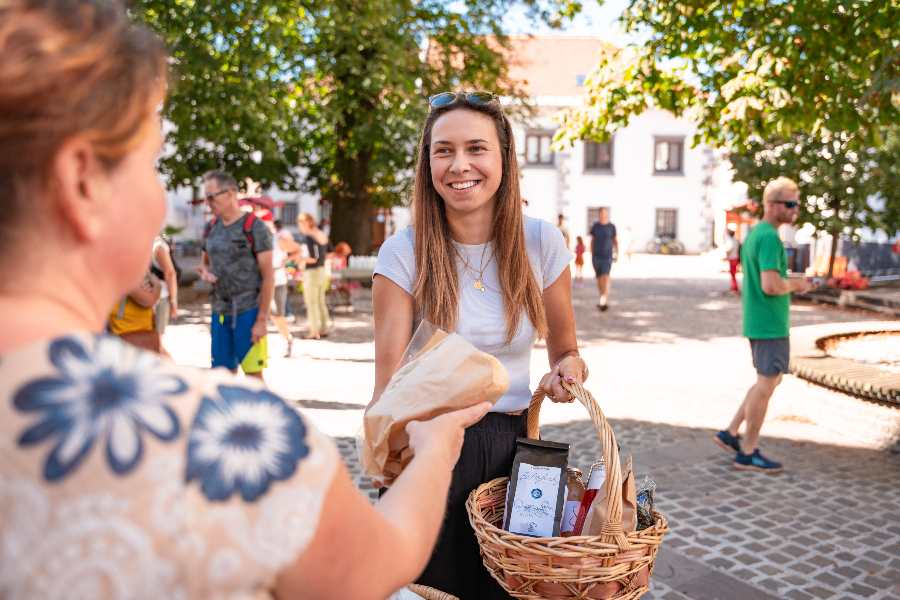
{"x": 80, "y": 189}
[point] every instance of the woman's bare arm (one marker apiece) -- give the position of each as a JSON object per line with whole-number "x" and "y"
{"x": 164, "y": 258}
{"x": 561, "y": 340}
{"x": 562, "y": 343}
{"x": 393, "y": 308}
{"x": 366, "y": 552}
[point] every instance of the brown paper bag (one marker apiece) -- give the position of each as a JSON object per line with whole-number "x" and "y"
{"x": 447, "y": 374}
{"x": 597, "y": 517}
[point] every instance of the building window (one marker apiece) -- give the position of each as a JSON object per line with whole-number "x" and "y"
{"x": 579, "y": 80}
{"x": 668, "y": 154}
{"x": 598, "y": 156}
{"x": 537, "y": 148}
{"x": 289, "y": 213}
{"x": 667, "y": 222}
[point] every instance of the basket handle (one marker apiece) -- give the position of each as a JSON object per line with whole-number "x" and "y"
{"x": 612, "y": 531}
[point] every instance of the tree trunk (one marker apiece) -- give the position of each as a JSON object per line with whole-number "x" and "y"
{"x": 351, "y": 209}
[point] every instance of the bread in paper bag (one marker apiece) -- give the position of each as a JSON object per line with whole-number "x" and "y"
{"x": 448, "y": 374}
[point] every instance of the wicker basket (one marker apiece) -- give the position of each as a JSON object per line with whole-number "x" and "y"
{"x": 613, "y": 565}
{"x": 430, "y": 593}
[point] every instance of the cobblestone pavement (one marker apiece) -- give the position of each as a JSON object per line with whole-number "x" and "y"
{"x": 669, "y": 368}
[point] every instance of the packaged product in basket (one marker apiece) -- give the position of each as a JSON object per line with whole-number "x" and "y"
{"x": 645, "y": 492}
{"x": 596, "y": 477}
{"x": 597, "y": 515}
{"x": 574, "y": 494}
{"x": 536, "y": 490}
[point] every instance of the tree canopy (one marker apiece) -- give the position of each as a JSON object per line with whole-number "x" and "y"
{"x": 804, "y": 88}
{"x": 328, "y": 96}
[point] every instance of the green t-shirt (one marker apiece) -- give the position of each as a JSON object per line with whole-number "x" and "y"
{"x": 765, "y": 317}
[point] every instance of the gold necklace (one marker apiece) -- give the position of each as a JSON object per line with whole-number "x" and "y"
{"x": 479, "y": 281}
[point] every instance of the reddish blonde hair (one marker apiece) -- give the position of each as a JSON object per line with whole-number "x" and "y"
{"x": 69, "y": 67}
{"x": 436, "y": 289}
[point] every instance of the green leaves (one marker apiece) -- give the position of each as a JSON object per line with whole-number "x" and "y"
{"x": 330, "y": 93}
{"x": 773, "y": 82}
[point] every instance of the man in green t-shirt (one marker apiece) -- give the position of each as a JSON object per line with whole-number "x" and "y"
{"x": 767, "y": 305}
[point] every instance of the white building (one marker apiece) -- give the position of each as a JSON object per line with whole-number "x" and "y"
{"x": 648, "y": 175}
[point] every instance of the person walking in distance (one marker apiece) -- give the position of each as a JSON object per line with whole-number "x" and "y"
{"x": 237, "y": 261}
{"x": 604, "y": 250}
{"x": 563, "y": 228}
{"x": 733, "y": 255}
{"x": 579, "y": 258}
{"x": 280, "y": 295}
{"x": 767, "y": 302}
{"x": 315, "y": 277}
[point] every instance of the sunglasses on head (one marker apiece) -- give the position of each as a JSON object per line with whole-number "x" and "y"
{"x": 445, "y": 99}
{"x": 214, "y": 195}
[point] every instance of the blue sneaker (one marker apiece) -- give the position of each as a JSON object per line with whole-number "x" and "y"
{"x": 728, "y": 442}
{"x": 756, "y": 462}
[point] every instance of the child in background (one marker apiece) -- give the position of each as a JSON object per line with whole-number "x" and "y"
{"x": 579, "y": 256}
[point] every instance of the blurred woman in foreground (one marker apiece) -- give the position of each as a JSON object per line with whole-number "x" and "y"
{"x": 124, "y": 475}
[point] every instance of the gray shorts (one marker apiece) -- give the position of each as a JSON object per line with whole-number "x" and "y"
{"x": 279, "y": 299}
{"x": 771, "y": 357}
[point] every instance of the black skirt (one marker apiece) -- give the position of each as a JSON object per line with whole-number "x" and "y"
{"x": 487, "y": 453}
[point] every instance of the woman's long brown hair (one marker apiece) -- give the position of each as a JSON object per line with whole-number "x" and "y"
{"x": 436, "y": 289}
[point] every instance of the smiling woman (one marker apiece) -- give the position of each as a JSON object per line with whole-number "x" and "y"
{"x": 473, "y": 263}
{"x": 123, "y": 474}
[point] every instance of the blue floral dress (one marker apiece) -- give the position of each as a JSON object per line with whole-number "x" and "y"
{"x": 126, "y": 476}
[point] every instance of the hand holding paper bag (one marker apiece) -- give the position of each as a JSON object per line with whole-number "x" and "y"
{"x": 446, "y": 374}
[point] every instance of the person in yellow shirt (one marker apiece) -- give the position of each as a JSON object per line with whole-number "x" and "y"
{"x": 132, "y": 318}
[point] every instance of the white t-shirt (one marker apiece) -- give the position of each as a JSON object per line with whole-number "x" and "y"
{"x": 482, "y": 319}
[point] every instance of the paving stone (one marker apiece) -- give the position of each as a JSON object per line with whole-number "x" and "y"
{"x": 716, "y": 531}
{"x": 820, "y": 560}
{"x": 794, "y": 580}
{"x": 804, "y": 567}
{"x": 721, "y": 563}
{"x": 847, "y": 572}
{"x": 881, "y": 583}
{"x": 744, "y": 574}
{"x": 799, "y": 595}
{"x": 779, "y": 558}
{"x": 695, "y": 552}
{"x": 829, "y": 579}
{"x": 861, "y": 590}
{"x": 795, "y": 550}
{"x": 769, "y": 570}
{"x": 804, "y": 541}
{"x": 818, "y": 591}
{"x": 747, "y": 559}
{"x": 867, "y": 565}
{"x": 728, "y": 550}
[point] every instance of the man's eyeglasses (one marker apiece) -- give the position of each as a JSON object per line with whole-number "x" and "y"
{"x": 445, "y": 99}
{"x": 214, "y": 195}
{"x": 787, "y": 203}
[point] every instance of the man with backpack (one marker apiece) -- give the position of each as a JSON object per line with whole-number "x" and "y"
{"x": 237, "y": 261}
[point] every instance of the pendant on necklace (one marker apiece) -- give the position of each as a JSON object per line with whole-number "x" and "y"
{"x": 479, "y": 286}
